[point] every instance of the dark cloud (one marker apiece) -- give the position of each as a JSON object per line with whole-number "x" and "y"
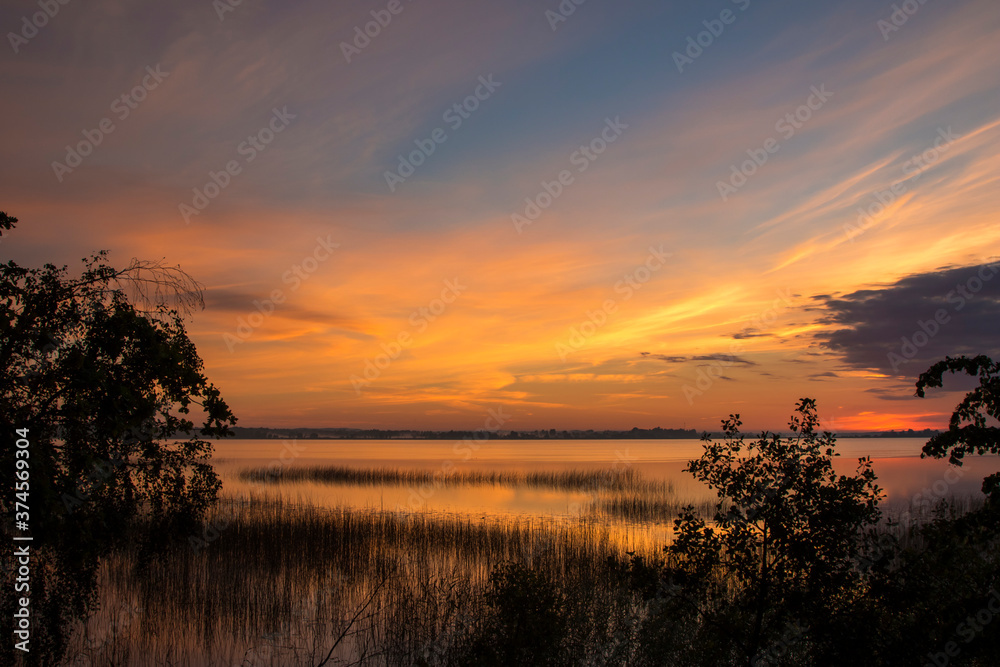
{"x": 729, "y": 359}
{"x": 890, "y": 395}
{"x": 243, "y": 304}
{"x": 226, "y": 300}
{"x": 820, "y": 376}
{"x": 663, "y": 357}
{"x": 903, "y": 328}
{"x": 751, "y": 333}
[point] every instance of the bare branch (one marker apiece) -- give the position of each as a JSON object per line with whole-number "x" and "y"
{"x": 152, "y": 285}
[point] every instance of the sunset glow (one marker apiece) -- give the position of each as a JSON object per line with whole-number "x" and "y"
{"x": 599, "y": 240}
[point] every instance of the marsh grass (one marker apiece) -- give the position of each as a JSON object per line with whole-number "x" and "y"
{"x": 637, "y": 508}
{"x": 626, "y": 479}
{"x": 905, "y": 522}
{"x": 616, "y": 495}
{"x": 269, "y": 582}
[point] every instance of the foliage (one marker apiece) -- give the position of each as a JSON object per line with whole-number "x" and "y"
{"x": 944, "y": 574}
{"x": 526, "y": 621}
{"x": 785, "y": 540}
{"x": 974, "y": 436}
{"x": 102, "y": 375}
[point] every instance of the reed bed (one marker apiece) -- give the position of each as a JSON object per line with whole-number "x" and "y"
{"x": 626, "y": 479}
{"x": 636, "y": 508}
{"x": 268, "y": 582}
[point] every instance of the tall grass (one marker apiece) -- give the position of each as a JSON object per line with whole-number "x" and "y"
{"x": 614, "y": 494}
{"x": 277, "y": 584}
{"x": 626, "y": 479}
{"x": 270, "y": 582}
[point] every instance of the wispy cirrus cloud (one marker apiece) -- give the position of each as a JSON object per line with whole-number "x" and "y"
{"x": 656, "y": 186}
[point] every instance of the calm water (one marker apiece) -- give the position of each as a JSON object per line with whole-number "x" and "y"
{"x": 901, "y": 472}
{"x": 226, "y": 608}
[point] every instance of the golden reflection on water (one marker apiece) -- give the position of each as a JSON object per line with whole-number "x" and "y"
{"x": 232, "y": 610}
{"x": 901, "y": 477}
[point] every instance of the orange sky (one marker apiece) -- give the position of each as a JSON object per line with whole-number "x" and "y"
{"x": 595, "y": 314}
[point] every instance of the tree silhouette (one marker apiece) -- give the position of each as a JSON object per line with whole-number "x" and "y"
{"x": 785, "y": 541}
{"x": 99, "y": 375}
{"x": 968, "y": 431}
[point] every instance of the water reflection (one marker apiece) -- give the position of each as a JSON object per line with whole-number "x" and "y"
{"x": 901, "y": 472}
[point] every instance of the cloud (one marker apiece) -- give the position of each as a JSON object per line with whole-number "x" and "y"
{"x": 751, "y": 332}
{"x": 902, "y": 328}
{"x": 664, "y": 357}
{"x": 727, "y": 358}
{"x": 889, "y": 395}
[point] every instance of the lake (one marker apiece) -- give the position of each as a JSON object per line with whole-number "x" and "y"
{"x": 389, "y": 550}
{"x": 902, "y": 474}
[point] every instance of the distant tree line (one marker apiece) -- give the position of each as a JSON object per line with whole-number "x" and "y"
{"x": 539, "y": 434}
{"x": 657, "y": 433}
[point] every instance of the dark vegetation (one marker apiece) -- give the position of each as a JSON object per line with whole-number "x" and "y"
{"x": 794, "y": 567}
{"x": 262, "y": 433}
{"x": 136, "y": 561}
{"x": 97, "y": 373}
{"x": 479, "y": 435}
{"x": 816, "y": 582}
{"x": 625, "y": 479}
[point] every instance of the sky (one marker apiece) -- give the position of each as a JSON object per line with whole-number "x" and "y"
{"x": 408, "y": 214}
